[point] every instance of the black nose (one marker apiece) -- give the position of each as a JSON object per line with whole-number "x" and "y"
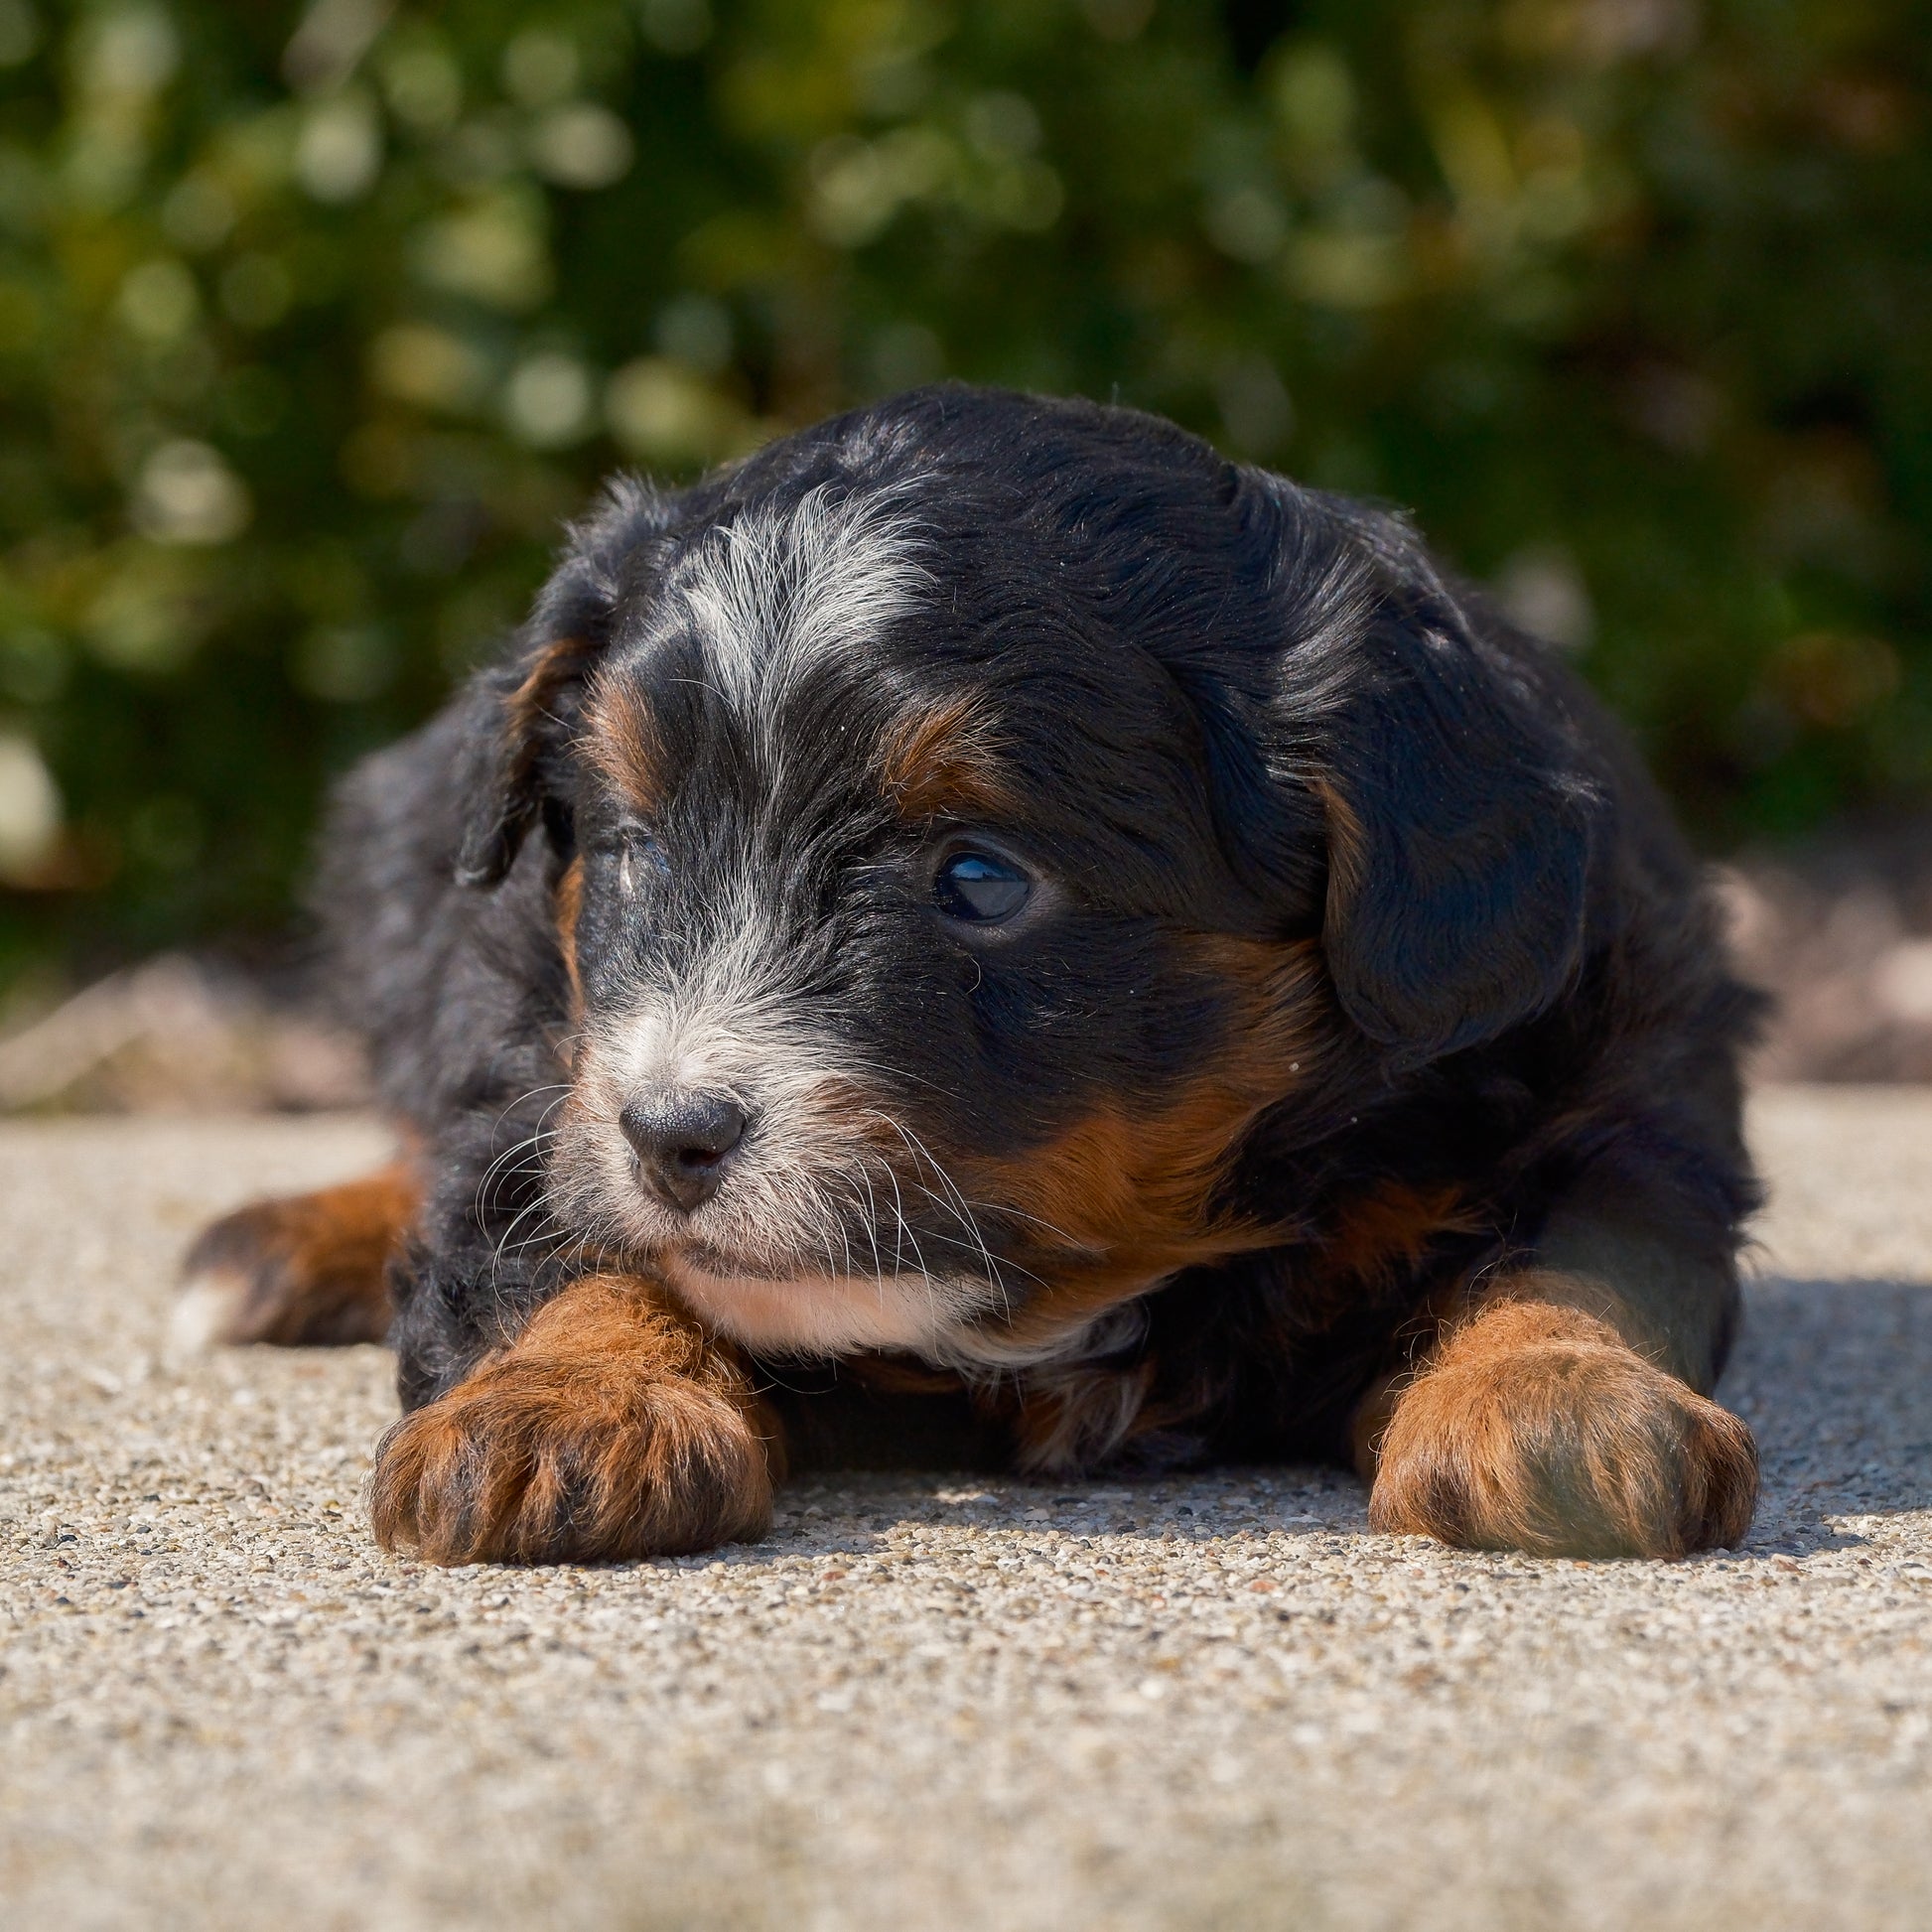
{"x": 683, "y": 1143}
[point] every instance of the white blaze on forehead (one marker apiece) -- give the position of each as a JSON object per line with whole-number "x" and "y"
{"x": 782, "y": 585}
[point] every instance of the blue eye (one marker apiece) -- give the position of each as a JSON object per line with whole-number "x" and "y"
{"x": 976, "y": 887}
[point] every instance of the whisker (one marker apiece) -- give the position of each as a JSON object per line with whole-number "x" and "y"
{"x": 960, "y": 1211}
{"x": 1020, "y": 1214}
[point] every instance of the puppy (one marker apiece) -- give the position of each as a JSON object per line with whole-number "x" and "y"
{"x": 987, "y": 934}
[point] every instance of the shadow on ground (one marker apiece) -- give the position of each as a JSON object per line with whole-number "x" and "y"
{"x": 1834, "y": 1376}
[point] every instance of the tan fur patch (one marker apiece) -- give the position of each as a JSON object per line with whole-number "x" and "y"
{"x": 534, "y": 698}
{"x": 1066, "y": 1420}
{"x": 1536, "y": 1427}
{"x": 1128, "y": 1194}
{"x": 305, "y": 1269}
{"x": 610, "y": 1429}
{"x": 1390, "y": 1228}
{"x": 622, "y": 741}
{"x": 944, "y": 763}
{"x": 569, "y": 908}
{"x": 1348, "y": 846}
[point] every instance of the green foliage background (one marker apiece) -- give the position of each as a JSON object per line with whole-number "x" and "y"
{"x": 314, "y": 322}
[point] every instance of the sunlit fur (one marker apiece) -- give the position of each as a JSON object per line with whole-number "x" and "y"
{"x": 826, "y": 1165}
{"x": 1361, "y": 964}
{"x": 781, "y": 584}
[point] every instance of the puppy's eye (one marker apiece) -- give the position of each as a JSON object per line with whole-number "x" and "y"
{"x": 642, "y": 859}
{"x": 976, "y": 887}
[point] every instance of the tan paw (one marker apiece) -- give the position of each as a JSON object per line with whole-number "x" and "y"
{"x": 303, "y": 1270}
{"x": 1538, "y": 1429}
{"x": 606, "y": 1433}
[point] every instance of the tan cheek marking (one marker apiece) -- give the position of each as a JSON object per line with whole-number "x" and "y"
{"x": 1111, "y": 1182}
{"x": 1135, "y": 1191}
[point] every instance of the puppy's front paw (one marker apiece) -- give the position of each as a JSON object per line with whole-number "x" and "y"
{"x": 583, "y": 1444}
{"x": 1538, "y": 1429}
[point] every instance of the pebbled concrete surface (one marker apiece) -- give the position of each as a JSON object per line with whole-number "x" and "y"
{"x": 1217, "y": 1703}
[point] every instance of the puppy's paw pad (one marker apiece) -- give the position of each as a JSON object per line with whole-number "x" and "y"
{"x": 1540, "y": 1430}
{"x": 519, "y": 1464}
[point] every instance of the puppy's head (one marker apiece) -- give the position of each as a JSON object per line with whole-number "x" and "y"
{"x": 968, "y": 821}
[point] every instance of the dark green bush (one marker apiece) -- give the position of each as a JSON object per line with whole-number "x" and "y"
{"x": 313, "y": 325}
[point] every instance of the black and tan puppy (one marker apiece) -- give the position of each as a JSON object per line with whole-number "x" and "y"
{"x": 1100, "y": 950}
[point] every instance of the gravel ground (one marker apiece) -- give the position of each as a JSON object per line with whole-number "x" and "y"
{"x": 1217, "y": 1703}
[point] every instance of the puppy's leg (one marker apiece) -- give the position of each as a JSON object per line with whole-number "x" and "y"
{"x": 299, "y": 1270}
{"x": 1565, "y": 1413}
{"x": 611, "y": 1427}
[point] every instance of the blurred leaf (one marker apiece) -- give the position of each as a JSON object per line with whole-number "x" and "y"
{"x": 316, "y": 320}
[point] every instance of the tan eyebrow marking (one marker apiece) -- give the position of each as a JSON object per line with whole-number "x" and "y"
{"x": 569, "y": 908}
{"x": 621, "y": 738}
{"x": 944, "y": 759}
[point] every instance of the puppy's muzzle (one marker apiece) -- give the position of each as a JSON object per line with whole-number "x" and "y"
{"x": 684, "y": 1141}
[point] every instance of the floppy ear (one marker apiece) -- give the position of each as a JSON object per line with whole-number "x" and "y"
{"x": 1461, "y": 827}
{"x": 1462, "y": 814}
{"x": 525, "y": 714}
{"x": 526, "y": 717}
